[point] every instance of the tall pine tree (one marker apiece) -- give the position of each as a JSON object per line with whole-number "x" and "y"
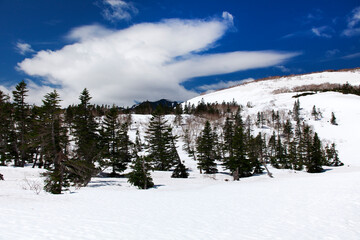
{"x": 160, "y": 143}
{"x": 55, "y": 144}
{"x": 316, "y": 156}
{"x": 82, "y": 167}
{"x": 6, "y": 126}
{"x": 116, "y": 142}
{"x": 21, "y": 117}
{"x": 206, "y": 150}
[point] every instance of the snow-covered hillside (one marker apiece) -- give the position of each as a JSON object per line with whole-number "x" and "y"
{"x": 264, "y": 95}
{"x": 292, "y": 205}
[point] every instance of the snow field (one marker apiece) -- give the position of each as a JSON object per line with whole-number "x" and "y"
{"x": 289, "y": 206}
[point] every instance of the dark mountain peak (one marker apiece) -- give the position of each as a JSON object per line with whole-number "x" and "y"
{"x": 147, "y": 107}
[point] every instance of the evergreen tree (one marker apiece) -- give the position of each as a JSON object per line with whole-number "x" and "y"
{"x": 333, "y": 119}
{"x": 228, "y": 137}
{"x": 272, "y": 148}
{"x": 260, "y": 122}
{"x": 281, "y": 155}
{"x": 140, "y": 176}
{"x": 240, "y": 148}
{"x": 206, "y": 150}
{"x": 178, "y": 112}
{"x": 6, "y": 126}
{"x": 87, "y": 141}
{"x": 160, "y": 146}
{"x": 332, "y": 157}
{"x": 54, "y": 144}
{"x": 293, "y": 156}
{"x": 316, "y": 113}
{"x": 21, "y": 116}
{"x": 180, "y": 171}
{"x": 124, "y": 147}
{"x": 278, "y": 122}
{"x": 336, "y": 161}
{"x": 316, "y": 157}
{"x": 305, "y": 143}
{"x": 116, "y": 141}
{"x": 255, "y": 153}
{"x": 288, "y": 130}
{"x": 296, "y": 111}
{"x": 237, "y": 162}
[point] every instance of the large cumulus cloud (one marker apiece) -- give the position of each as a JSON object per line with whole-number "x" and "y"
{"x": 146, "y": 61}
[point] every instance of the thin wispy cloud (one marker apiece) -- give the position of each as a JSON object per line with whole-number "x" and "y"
{"x": 23, "y": 48}
{"x": 312, "y": 16}
{"x": 117, "y": 10}
{"x": 320, "y": 32}
{"x": 332, "y": 52}
{"x": 222, "y": 85}
{"x": 146, "y": 61}
{"x": 353, "y": 23}
{"x": 283, "y": 69}
{"x": 351, "y": 56}
{"x": 323, "y": 31}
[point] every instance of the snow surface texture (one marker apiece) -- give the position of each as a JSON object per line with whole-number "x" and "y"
{"x": 292, "y": 205}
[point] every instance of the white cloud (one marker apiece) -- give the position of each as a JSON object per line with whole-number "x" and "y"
{"x": 115, "y": 10}
{"x": 324, "y": 31}
{"x": 23, "y": 48}
{"x": 313, "y": 16}
{"x": 350, "y": 32}
{"x": 351, "y": 56}
{"x": 283, "y": 69}
{"x": 85, "y": 33}
{"x": 147, "y": 61}
{"x": 332, "y": 52}
{"x": 228, "y": 17}
{"x": 222, "y": 85}
{"x": 353, "y": 21}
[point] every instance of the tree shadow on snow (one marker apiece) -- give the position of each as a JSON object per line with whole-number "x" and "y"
{"x": 95, "y": 184}
{"x": 110, "y": 175}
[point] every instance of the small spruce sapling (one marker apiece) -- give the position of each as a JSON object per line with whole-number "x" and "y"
{"x": 333, "y": 119}
{"x": 140, "y": 176}
{"x": 316, "y": 156}
{"x": 180, "y": 171}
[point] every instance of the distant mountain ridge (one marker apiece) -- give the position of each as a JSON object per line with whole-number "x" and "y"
{"x": 148, "y": 106}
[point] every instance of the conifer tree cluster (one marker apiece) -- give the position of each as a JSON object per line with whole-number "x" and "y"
{"x": 40, "y": 135}
{"x": 292, "y": 145}
{"x": 161, "y": 143}
{"x": 76, "y": 143}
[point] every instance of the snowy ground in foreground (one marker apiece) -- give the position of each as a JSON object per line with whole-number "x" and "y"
{"x": 290, "y": 206}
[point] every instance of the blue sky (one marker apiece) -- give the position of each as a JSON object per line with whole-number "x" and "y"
{"x": 127, "y": 51}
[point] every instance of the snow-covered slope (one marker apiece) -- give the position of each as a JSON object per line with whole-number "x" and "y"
{"x": 262, "y": 92}
{"x": 264, "y": 95}
{"x": 292, "y": 205}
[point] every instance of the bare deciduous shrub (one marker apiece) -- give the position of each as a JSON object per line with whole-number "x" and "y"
{"x": 33, "y": 185}
{"x": 281, "y": 90}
